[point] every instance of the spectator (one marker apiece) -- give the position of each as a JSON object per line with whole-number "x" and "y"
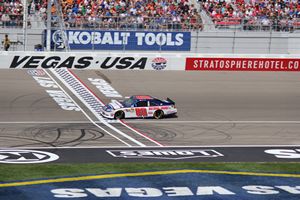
{"x": 6, "y": 43}
{"x": 5, "y": 20}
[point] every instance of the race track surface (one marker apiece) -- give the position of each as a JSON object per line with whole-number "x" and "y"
{"x": 214, "y": 108}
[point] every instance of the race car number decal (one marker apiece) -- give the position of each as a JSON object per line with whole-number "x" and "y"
{"x": 141, "y": 112}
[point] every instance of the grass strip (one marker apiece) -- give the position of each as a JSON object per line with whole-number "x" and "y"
{"x": 12, "y": 172}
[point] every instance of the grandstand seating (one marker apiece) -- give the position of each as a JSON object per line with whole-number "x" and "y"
{"x": 278, "y": 15}
{"x": 116, "y": 14}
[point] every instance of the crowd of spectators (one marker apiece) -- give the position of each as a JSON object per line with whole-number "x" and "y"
{"x": 131, "y": 14}
{"x": 278, "y": 15}
{"x": 11, "y": 11}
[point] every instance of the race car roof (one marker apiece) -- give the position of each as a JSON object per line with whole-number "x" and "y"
{"x": 142, "y": 97}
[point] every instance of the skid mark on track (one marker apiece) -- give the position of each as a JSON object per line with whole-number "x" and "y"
{"x": 51, "y": 136}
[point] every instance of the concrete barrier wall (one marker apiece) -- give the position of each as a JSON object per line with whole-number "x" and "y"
{"x": 150, "y": 61}
{"x": 249, "y": 42}
{"x": 246, "y": 42}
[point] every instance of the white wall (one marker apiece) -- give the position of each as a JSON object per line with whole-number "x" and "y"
{"x": 147, "y": 61}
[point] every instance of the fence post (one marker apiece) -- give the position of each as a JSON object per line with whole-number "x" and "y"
{"x": 93, "y": 39}
{"x": 233, "y": 41}
{"x": 25, "y": 21}
{"x": 197, "y": 39}
{"x": 270, "y": 39}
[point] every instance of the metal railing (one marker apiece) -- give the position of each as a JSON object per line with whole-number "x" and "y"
{"x": 128, "y": 23}
{"x": 228, "y": 39}
{"x": 151, "y": 23}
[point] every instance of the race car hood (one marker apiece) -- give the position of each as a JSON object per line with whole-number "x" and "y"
{"x": 114, "y": 104}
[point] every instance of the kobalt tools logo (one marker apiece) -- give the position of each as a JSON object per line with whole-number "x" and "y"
{"x": 58, "y": 37}
{"x": 166, "y": 154}
{"x": 26, "y": 156}
{"x": 159, "y": 63}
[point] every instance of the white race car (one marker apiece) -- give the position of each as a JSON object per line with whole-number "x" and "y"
{"x": 139, "y": 106}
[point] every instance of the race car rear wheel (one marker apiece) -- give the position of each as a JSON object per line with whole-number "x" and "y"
{"x": 119, "y": 115}
{"x": 158, "y": 114}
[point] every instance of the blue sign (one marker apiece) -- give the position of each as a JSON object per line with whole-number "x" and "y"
{"x": 122, "y": 40}
{"x": 179, "y": 186}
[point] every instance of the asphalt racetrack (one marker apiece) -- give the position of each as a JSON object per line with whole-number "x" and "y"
{"x": 214, "y": 108}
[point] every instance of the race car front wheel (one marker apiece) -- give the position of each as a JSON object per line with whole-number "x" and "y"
{"x": 119, "y": 115}
{"x": 158, "y": 114}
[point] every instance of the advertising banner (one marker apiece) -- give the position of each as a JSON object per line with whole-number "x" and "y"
{"x": 147, "y": 61}
{"x": 38, "y": 60}
{"x": 243, "y": 64}
{"x": 122, "y": 40}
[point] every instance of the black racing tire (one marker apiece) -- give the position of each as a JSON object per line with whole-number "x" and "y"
{"x": 119, "y": 115}
{"x": 159, "y": 114}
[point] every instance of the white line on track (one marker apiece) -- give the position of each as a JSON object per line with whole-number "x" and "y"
{"x": 153, "y": 122}
{"x": 87, "y": 116}
{"x": 141, "y": 134}
{"x": 166, "y": 147}
{"x": 213, "y": 122}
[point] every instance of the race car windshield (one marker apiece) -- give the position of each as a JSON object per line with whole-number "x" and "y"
{"x": 128, "y": 102}
{"x": 107, "y": 108}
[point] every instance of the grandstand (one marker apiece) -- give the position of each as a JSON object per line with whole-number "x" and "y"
{"x": 107, "y": 14}
{"x": 215, "y": 25}
{"x": 162, "y": 14}
{"x": 254, "y": 15}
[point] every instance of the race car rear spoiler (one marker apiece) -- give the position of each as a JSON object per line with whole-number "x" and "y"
{"x": 170, "y": 100}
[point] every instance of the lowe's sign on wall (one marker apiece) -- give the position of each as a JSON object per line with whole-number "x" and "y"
{"x": 123, "y": 40}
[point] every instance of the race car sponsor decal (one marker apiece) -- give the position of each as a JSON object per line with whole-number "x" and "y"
{"x": 159, "y": 63}
{"x": 53, "y": 90}
{"x": 143, "y": 97}
{"x": 26, "y": 156}
{"x": 284, "y": 153}
{"x": 243, "y": 64}
{"x": 129, "y": 109}
{"x": 166, "y": 153}
{"x": 159, "y": 107}
{"x": 105, "y": 88}
{"x": 141, "y": 112}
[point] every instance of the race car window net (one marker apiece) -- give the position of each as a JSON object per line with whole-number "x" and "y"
{"x": 141, "y": 104}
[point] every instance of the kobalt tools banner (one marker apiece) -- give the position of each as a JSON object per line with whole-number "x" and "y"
{"x": 243, "y": 64}
{"x": 123, "y": 40}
